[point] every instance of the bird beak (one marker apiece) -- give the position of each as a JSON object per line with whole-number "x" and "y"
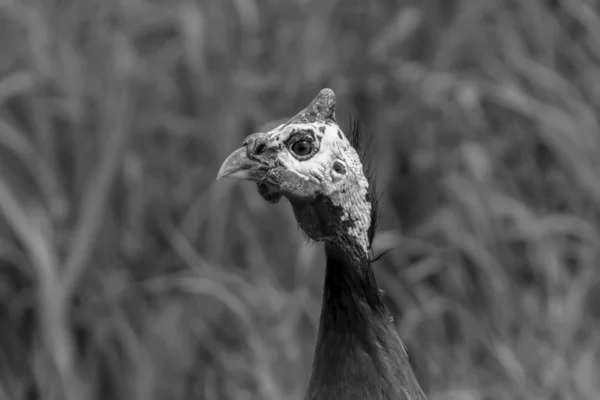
{"x": 239, "y": 166}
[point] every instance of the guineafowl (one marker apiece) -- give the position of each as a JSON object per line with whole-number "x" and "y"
{"x": 309, "y": 160}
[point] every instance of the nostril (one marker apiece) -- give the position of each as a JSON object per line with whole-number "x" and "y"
{"x": 249, "y": 141}
{"x": 255, "y": 146}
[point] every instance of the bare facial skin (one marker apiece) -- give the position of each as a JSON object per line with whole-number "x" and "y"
{"x": 310, "y": 161}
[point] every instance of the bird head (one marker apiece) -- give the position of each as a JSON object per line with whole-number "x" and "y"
{"x": 311, "y": 162}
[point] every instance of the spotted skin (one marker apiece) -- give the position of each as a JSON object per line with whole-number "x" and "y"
{"x": 327, "y": 188}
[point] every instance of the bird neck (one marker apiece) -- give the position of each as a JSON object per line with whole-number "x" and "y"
{"x": 358, "y": 352}
{"x": 350, "y": 288}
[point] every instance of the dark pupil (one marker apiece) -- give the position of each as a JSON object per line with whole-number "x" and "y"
{"x": 301, "y": 148}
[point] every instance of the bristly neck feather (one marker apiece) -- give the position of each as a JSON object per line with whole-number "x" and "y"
{"x": 363, "y": 148}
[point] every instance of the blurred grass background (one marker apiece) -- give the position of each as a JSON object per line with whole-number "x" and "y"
{"x": 127, "y": 272}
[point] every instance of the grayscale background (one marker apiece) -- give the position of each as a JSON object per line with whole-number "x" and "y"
{"x": 128, "y": 272}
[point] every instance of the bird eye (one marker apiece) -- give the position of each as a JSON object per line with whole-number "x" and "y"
{"x": 302, "y": 148}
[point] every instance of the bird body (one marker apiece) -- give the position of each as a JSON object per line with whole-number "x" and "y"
{"x": 309, "y": 160}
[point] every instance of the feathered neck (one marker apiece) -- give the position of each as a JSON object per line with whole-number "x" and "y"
{"x": 358, "y": 354}
{"x": 348, "y": 273}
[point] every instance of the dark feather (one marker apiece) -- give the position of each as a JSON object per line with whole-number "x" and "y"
{"x": 358, "y": 353}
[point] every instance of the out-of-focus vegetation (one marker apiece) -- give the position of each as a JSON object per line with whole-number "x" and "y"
{"x": 127, "y": 272}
